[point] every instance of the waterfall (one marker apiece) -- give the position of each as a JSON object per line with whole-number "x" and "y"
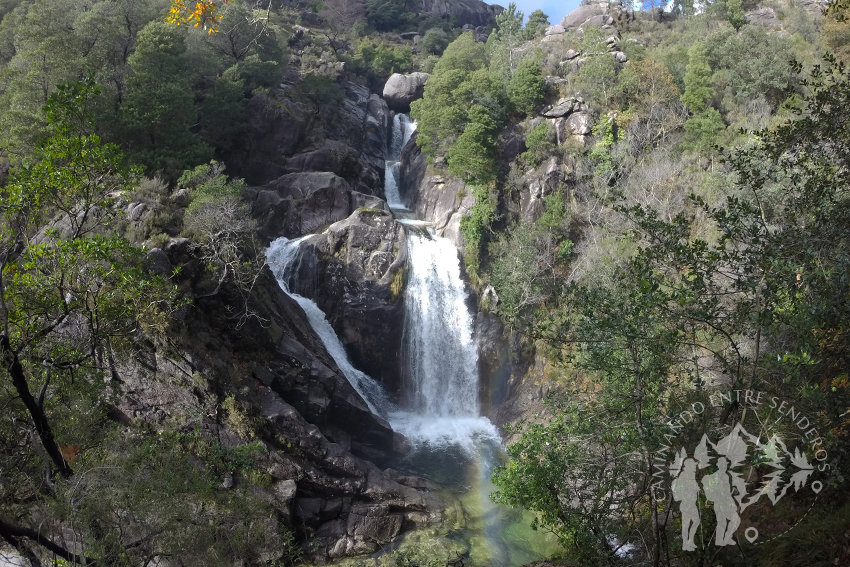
{"x": 403, "y": 129}
{"x": 283, "y": 257}
{"x": 441, "y": 351}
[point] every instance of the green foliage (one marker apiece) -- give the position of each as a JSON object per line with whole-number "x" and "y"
{"x": 751, "y": 64}
{"x": 435, "y": 41}
{"x": 526, "y": 87}
{"x": 537, "y": 22}
{"x": 458, "y": 82}
{"x": 378, "y": 60}
{"x": 757, "y": 304}
{"x": 539, "y": 144}
{"x": 223, "y": 117}
{"x": 160, "y": 108}
{"x": 598, "y": 74}
{"x": 319, "y": 91}
{"x": 735, "y": 13}
{"x": 386, "y": 15}
{"x": 698, "y": 85}
{"x": 471, "y": 157}
{"x": 702, "y": 130}
{"x": 475, "y": 226}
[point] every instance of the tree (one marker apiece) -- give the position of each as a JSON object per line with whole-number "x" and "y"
{"x": 71, "y": 294}
{"x": 204, "y": 13}
{"x": 537, "y": 21}
{"x": 526, "y": 88}
{"x": 698, "y": 85}
{"x": 459, "y": 81}
{"x": 472, "y": 156}
{"x": 160, "y": 108}
{"x": 735, "y": 13}
{"x": 219, "y": 221}
{"x": 754, "y": 306}
{"x": 702, "y": 130}
{"x": 340, "y": 17}
{"x": 386, "y": 15}
{"x": 509, "y": 35}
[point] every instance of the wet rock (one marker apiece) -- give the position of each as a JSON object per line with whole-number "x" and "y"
{"x": 373, "y": 523}
{"x": 354, "y": 272}
{"x": 300, "y": 203}
{"x": 441, "y": 201}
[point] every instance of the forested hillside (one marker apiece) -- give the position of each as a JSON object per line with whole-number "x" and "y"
{"x": 651, "y": 206}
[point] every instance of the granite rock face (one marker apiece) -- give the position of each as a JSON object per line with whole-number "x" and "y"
{"x": 355, "y": 273}
{"x": 321, "y": 443}
{"x": 400, "y": 90}
{"x": 303, "y": 203}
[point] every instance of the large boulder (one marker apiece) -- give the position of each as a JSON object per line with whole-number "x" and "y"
{"x": 354, "y": 271}
{"x": 301, "y": 203}
{"x": 400, "y": 90}
{"x": 583, "y": 13}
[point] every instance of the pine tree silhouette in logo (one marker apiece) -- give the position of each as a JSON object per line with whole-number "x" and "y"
{"x": 726, "y": 487}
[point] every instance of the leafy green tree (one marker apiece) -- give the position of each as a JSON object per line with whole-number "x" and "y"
{"x": 459, "y": 81}
{"x": 539, "y": 144}
{"x": 750, "y": 64}
{"x": 537, "y": 21}
{"x": 386, "y": 15}
{"x": 702, "y": 130}
{"x": 159, "y": 108}
{"x": 754, "y": 306}
{"x": 735, "y": 13}
{"x": 698, "y": 85}
{"x": 472, "y": 156}
{"x": 598, "y": 73}
{"x": 223, "y": 117}
{"x": 526, "y": 88}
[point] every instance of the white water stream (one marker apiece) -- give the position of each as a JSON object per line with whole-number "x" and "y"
{"x": 403, "y": 129}
{"x": 452, "y": 441}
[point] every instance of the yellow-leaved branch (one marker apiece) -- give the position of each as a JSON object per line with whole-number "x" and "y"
{"x": 199, "y": 14}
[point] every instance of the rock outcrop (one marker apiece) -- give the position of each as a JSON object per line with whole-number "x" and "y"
{"x": 400, "y": 90}
{"x": 437, "y": 198}
{"x": 355, "y": 273}
{"x": 473, "y": 12}
{"x": 320, "y": 440}
{"x": 302, "y": 203}
{"x": 349, "y": 141}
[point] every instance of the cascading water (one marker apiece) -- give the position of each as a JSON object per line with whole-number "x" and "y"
{"x": 451, "y": 441}
{"x": 403, "y": 129}
{"x": 442, "y": 354}
{"x": 283, "y": 257}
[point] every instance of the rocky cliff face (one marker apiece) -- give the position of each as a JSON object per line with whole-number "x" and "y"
{"x": 434, "y": 195}
{"x": 355, "y": 273}
{"x": 347, "y": 139}
{"x": 324, "y": 447}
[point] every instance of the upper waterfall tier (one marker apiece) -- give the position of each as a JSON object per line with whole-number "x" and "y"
{"x": 403, "y": 129}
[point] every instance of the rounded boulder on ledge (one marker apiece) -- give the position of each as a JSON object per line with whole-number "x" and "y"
{"x": 401, "y": 90}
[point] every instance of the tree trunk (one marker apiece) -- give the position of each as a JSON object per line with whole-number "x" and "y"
{"x": 36, "y": 411}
